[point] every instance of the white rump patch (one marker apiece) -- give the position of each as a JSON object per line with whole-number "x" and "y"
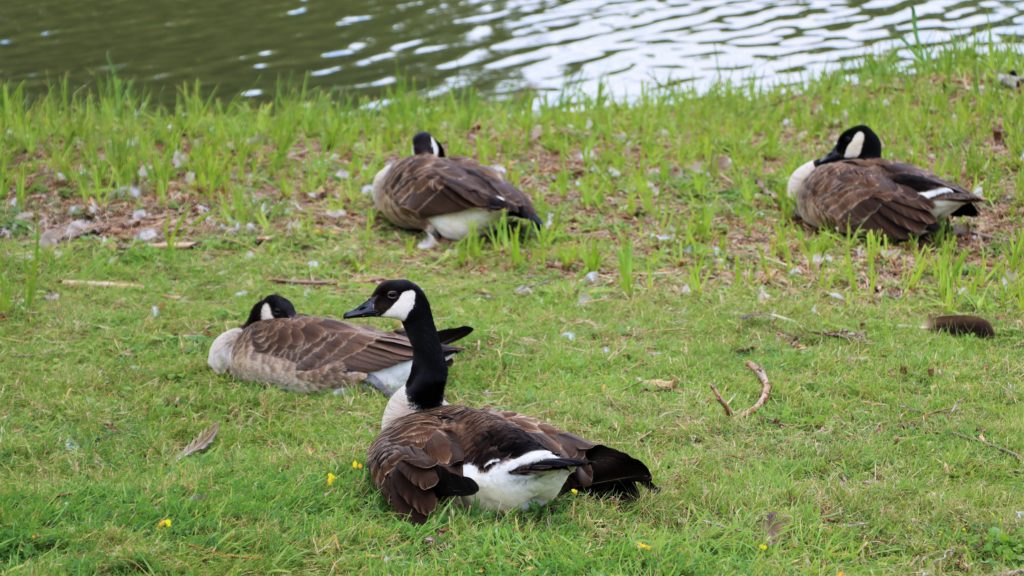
{"x": 501, "y": 490}
{"x": 855, "y": 147}
{"x": 219, "y": 358}
{"x": 457, "y": 225}
{"x": 930, "y": 194}
{"x": 401, "y": 308}
{"x": 942, "y": 208}
{"x": 265, "y": 312}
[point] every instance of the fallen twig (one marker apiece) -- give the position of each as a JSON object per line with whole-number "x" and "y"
{"x": 766, "y": 390}
{"x": 844, "y": 334}
{"x": 990, "y": 445}
{"x": 722, "y": 401}
{"x": 303, "y": 282}
{"x": 102, "y": 283}
{"x": 180, "y": 245}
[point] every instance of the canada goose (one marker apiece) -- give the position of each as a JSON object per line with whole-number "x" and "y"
{"x": 445, "y": 196}
{"x": 854, "y": 187}
{"x": 429, "y": 450}
{"x": 309, "y": 353}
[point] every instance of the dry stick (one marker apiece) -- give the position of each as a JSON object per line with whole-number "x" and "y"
{"x": 766, "y": 390}
{"x": 303, "y": 282}
{"x": 990, "y": 445}
{"x": 718, "y": 396}
{"x": 102, "y": 283}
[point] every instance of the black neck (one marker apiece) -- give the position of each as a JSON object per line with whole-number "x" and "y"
{"x": 429, "y": 373}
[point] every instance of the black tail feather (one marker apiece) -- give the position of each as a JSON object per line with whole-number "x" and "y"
{"x": 617, "y": 473}
{"x": 449, "y": 335}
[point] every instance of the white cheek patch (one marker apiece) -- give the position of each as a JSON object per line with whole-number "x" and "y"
{"x": 265, "y": 313}
{"x": 401, "y": 308}
{"x": 855, "y": 147}
{"x": 433, "y": 144}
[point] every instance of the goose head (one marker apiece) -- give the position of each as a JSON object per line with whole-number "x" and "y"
{"x": 391, "y": 299}
{"x": 273, "y": 306}
{"x": 857, "y": 142}
{"x": 424, "y": 143}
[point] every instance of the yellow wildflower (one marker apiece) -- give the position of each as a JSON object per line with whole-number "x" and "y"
{"x": 357, "y": 465}
{"x": 574, "y": 491}
{"x": 763, "y": 547}
{"x": 643, "y": 545}
{"x": 330, "y": 478}
{"x": 165, "y": 523}
{"x": 840, "y": 573}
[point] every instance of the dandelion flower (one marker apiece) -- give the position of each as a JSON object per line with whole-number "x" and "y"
{"x": 357, "y": 465}
{"x": 330, "y": 478}
{"x": 165, "y": 523}
{"x": 643, "y": 545}
{"x": 763, "y": 547}
{"x": 574, "y": 491}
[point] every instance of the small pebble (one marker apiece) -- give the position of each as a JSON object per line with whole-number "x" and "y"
{"x": 313, "y": 264}
{"x": 523, "y": 290}
{"x": 190, "y": 177}
{"x": 367, "y": 189}
{"x": 138, "y": 214}
{"x": 836, "y": 296}
{"x": 179, "y": 159}
{"x": 250, "y": 255}
{"x": 147, "y": 235}
{"x": 155, "y": 310}
{"x": 143, "y": 173}
{"x": 336, "y": 214}
{"x": 341, "y": 174}
{"x": 134, "y": 191}
{"x": 52, "y": 296}
{"x": 614, "y": 172}
{"x": 70, "y": 445}
{"x": 241, "y": 293}
{"x": 592, "y": 277}
{"x": 685, "y": 289}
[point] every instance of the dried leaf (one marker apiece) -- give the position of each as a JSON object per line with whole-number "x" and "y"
{"x": 662, "y": 384}
{"x": 773, "y": 525}
{"x": 201, "y": 442}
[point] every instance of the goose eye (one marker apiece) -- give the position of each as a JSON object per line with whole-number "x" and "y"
{"x": 392, "y": 294}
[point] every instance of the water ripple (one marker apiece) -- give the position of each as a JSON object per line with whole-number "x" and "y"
{"x": 499, "y": 45}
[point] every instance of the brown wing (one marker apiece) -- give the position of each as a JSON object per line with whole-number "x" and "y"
{"x": 428, "y": 185}
{"x": 920, "y": 180}
{"x": 313, "y": 343}
{"x": 416, "y": 462}
{"x": 853, "y": 194}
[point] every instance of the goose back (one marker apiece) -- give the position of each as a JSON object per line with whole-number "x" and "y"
{"x": 414, "y": 189}
{"x": 309, "y": 353}
{"x": 876, "y": 194}
{"x": 423, "y": 457}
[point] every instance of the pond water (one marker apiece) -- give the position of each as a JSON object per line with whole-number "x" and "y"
{"x": 243, "y": 47}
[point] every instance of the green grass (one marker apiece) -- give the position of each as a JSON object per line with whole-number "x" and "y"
{"x": 868, "y": 450}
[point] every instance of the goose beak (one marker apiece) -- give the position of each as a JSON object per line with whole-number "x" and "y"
{"x": 367, "y": 308}
{"x": 832, "y": 156}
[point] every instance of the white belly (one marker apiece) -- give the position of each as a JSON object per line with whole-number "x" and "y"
{"x": 219, "y": 357}
{"x": 457, "y": 225}
{"x": 501, "y": 491}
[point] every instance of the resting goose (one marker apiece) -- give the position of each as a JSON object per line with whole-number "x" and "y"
{"x": 429, "y": 450}
{"x": 309, "y": 353}
{"x": 854, "y": 187}
{"x": 445, "y": 196}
